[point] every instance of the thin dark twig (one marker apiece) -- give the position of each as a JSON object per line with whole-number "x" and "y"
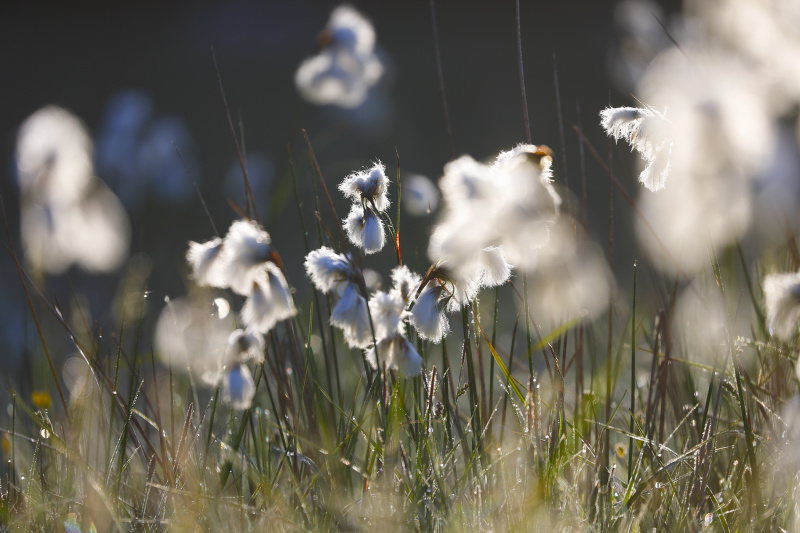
{"x": 441, "y": 80}
{"x": 235, "y": 140}
{"x": 525, "y": 114}
{"x": 196, "y": 189}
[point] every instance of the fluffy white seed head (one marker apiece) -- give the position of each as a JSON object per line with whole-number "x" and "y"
{"x": 269, "y": 302}
{"x": 238, "y": 387}
{"x": 342, "y": 73}
{"x": 369, "y": 185}
{"x": 782, "y": 302}
{"x": 427, "y": 315}
{"x": 398, "y": 354}
{"x": 405, "y": 282}
{"x": 203, "y": 258}
{"x": 640, "y": 128}
{"x": 54, "y": 157}
{"x": 246, "y": 249}
{"x": 192, "y": 336}
{"x": 327, "y": 269}
{"x": 387, "y": 309}
{"x": 351, "y": 316}
{"x": 245, "y": 345}
{"x": 365, "y": 229}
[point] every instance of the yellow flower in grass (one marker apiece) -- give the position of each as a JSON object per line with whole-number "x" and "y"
{"x": 41, "y": 399}
{"x": 620, "y": 449}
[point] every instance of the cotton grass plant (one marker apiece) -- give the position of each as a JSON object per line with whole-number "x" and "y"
{"x": 507, "y": 381}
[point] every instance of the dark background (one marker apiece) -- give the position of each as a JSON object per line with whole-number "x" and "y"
{"x": 80, "y": 56}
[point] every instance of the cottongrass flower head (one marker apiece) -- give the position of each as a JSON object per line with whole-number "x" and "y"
{"x": 782, "y": 302}
{"x": 427, "y": 316}
{"x": 398, "y": 354}
{"x": 245, "y": 251}
{"x": 269, "y": 301}
{"x": 54, "y": 156}
{"x": 365, "y": 229}
{"x": 330, "y": 271}
{"x": 238, "y": 387}
{"x": 245, "y": 345}
{"x": 327, "y": 269}
{"x": 405, "y": 282}
{"x": 638, "y": 126}
{"x": 352, "y": 316}
{"x": 387, "y": 310}
{"x": 345, "y": 69}
{"x": 68, "y": 216}
{"x": 722, "y": 134}
{"x": 370, "y": 186}
{"x": 191, "y": 336}
{"x": 203, "y": 258}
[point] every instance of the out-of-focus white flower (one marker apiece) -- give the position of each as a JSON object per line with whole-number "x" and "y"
{"x": 427, "y": 316}
{"x": 92, "y": 233}
{"x": 723, "y": 135}
{"x": 54, "y": 157}
{"x": 68, "y": 216}
{"x": 635, "y": 125}
{"x": 510, "y": 205}
{"x": 420, "y": 195}
{"x": 238, "y": 387}
{"x": 327, "y": 269}
{"x": 782, "y": 301}
{"x": 269, "y": 302}
{"x": 352, "y": 316}
{"x": 405, "y": 282}
{"x": 245, "y": 251}
{"x": 765, "y": 34}
{"x": 345, "y": 69}
{"x": 574, "y": 283}
{"x": 398, "y": 354}
{"x": 205, "y": 263}
{"x": 191, "y": 337}
{"x": 365, "y": 229}
{"x": 370, "y": 186}
{"x": 387, "y": 309}
{"x": 245, "y": 345}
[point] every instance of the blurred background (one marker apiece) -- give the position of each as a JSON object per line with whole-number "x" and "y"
{"x": 141, "y": 77}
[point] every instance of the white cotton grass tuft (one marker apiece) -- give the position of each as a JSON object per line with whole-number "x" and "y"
{"x": 206, "y": 266}
{"x": 347, "y": 66}
{"x": 68, "y": 216}
{"x": 269, "y": 301}
{"x": 370, "y": 186}
{"x": 509, "y": 205}
{"x": 190, "y": 336}
{"x": 245, "y": 345}
{"x": 352, "y": 316}
{"x": 54, "y": 157}
{"x": 387, "y": 311}
{"x": 427, "y": 316}
{"x": 327, "y": 269}
{"x": 640, "y": 128}
{"x": 365, "y": 229}
{"x": 398, "y": 354}
{"x": 245, "y": 251}
{"x": 723, "y": 133}
{"x": 238, "y": 387}
{"x": 405, "y": 282}
{"x": 782, "y": 303}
